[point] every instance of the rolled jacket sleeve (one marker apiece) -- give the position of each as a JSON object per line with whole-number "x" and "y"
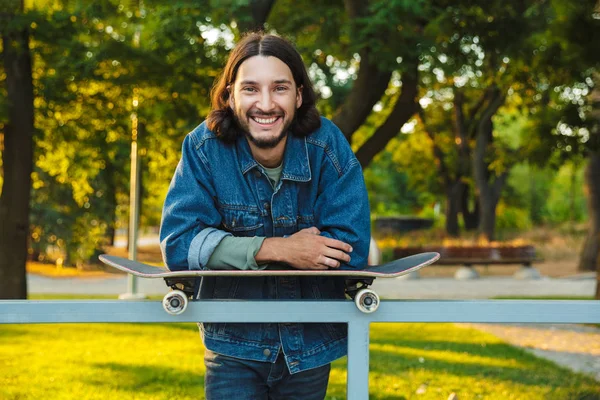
{"x": 342, "y": 211}
{"x": 188, "y": 233}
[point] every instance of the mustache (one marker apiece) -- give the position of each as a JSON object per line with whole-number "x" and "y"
{"x": 256, "y": 113}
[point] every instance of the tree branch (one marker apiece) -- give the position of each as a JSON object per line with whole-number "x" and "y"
{"x": 404, "y": 109}
{"x": 368, "y": 88}
{"x": 437, "y": 151}
{"x": 459, "y": 124}
{"x": 470, "y": 121}
{"x": 259, "y": 10}
{"x": 370, "y": 84}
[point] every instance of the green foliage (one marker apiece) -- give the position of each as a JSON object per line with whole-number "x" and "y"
{"x": 566, "y": 200}
{"x": 402, "y": 180}
{"x": 528, "y": 188}
{"x": 510, "y": 218}
{"x": 389, "y": 192}
{"x": 545, "y": 195}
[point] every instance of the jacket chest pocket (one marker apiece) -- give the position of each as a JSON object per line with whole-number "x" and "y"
{"x": 305, "y": 221}
{"x": 241, "y": 222}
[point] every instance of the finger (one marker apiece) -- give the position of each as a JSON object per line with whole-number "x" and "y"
{"x": 338, "y": 244}
{"x": 329, "y": 262}
{"x": 337, "y": 254}
{"x": 314, "y": 230}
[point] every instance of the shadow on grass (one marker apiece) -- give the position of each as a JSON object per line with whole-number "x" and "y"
{"x": 8, "y": 331}
{"x": 528, "y": 370}
{"x": 146, "y": 379}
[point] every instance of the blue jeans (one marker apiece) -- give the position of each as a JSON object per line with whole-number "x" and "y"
{"x": 233, "y": 378}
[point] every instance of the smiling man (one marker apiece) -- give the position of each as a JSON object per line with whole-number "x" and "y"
{"x": 264, "y": 100}
{"x": 265, "y": 182}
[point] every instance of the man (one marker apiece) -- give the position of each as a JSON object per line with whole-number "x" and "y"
{"x": 265, "y": 182}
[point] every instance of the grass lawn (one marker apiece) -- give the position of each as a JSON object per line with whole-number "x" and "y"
{"x": 162, "y": 361}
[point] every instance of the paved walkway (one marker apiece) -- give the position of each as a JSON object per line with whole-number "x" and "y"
{"x": 573, "y": 346}
{"x": 482, "y": 288}
{"x": 426, "y": 288}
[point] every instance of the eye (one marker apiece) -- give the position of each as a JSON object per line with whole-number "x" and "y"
{"x": 249, "y": 89}
{"x": 281, "y": 88}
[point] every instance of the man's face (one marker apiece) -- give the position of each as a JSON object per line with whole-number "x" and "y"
{"x": 264, "y": 99}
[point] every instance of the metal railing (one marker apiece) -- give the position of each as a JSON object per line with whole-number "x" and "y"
{"x": 486, "y": 311}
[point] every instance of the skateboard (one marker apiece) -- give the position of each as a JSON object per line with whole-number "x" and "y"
{"x": 182, "y": 283}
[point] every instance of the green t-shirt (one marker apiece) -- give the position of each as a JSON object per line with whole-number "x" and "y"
{"x": 239, "y": 252}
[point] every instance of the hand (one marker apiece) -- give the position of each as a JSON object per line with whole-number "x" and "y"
{"x": 305, "y": 249}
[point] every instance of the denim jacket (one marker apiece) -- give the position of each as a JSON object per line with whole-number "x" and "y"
{"x": 219, "y": 189}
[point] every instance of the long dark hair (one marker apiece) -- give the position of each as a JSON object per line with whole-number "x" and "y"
{"x": 221, "y": 119}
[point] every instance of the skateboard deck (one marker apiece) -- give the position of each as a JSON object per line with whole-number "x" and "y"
{"x": 357, "y": 281}
{"x": 392, "y": 269}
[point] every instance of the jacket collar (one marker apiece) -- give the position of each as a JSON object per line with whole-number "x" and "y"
{"x": 295, "y": 158}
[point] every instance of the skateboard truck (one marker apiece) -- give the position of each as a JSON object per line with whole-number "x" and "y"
{"x": 176, "y": 301}
{"x": 366, "y": 300}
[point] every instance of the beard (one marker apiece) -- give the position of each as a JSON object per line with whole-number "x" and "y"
{"x": 262, "y": 142}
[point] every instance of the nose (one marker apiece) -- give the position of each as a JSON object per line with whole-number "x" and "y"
{"x": 265, "y": 103}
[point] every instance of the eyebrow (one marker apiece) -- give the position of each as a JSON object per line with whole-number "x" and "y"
{"x": 277, "y": 82}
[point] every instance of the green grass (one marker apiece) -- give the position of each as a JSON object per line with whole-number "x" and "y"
{"x": 162, "y": 361}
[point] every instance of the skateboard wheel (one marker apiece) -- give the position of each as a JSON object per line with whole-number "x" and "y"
{"x": 366, "y": 300}
{"x": 175, "y": 302}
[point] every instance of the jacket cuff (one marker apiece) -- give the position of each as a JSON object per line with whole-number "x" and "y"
{"x": 203, "y": 245}
{"x": 253, "y": 249}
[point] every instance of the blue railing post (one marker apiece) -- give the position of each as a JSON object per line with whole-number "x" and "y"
{"x": 358, "y": 360}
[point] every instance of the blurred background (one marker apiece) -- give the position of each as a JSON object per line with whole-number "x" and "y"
{"x": 476, "y": 122}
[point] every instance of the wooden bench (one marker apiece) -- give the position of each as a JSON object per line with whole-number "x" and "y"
{"x": 468, "y": 272}
{"x": 467, "y": 257}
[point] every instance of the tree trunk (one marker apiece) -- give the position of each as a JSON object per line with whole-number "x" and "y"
{"x": 17, "y": 158}
{"x": 454, "y": 195}
{"x": 487, "y": 215}
{"x": 455, "y": 188}
{"x": 260, "y": 10}
{"x": 588, "y": 260}
{"x": 489, "y": 191}
{"x": 470, "y": 217}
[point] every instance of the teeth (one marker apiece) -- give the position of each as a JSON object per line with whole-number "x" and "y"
{"x": 265, "y": 121}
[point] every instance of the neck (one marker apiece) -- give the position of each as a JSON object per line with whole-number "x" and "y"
{"x": 270, "y": 158}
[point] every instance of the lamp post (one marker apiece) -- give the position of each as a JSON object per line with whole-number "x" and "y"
{"x": 134, "y": 183}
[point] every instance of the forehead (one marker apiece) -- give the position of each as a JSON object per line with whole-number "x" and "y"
{"x": 263, "y": 69}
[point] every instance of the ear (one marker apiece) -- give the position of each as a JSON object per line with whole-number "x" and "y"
{"x": 299, "y": 97}
{"x": 229, "y": 96}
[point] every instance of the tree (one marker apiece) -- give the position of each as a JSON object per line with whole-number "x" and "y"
{"x": 17, "y": 152}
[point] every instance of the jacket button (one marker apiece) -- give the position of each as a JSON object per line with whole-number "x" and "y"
{"x": 267, "y": 206}
{"x": 257, "y": 173}
{"x": 267, "y": 352}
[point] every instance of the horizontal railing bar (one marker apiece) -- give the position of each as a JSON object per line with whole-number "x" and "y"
{"x": 484, "y": 311}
